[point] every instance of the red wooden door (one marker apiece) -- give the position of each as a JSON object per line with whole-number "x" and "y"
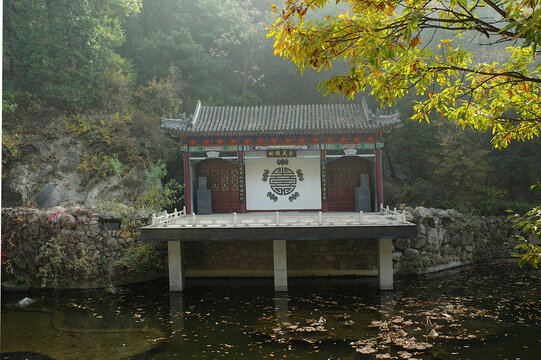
{"x": 223, "y": 182}
{"x": 342, "y": 179}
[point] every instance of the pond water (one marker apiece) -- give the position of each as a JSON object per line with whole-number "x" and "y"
{"x": 477, "y": 312}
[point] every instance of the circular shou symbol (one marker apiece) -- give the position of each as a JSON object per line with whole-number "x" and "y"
{"x": 283, "y": 181}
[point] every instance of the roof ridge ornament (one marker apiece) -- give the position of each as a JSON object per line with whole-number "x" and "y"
{"x": 367, "y": 112}
{"x": 196, "y": 113}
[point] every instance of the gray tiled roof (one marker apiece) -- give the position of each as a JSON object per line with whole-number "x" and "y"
{"x": 280, "y": 119}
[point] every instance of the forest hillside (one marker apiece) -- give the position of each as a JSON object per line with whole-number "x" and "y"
{"x": 85, "y": 84}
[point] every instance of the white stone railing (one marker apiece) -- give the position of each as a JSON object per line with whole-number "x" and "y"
{"x": 273, "y": 219}
{"x": 167, "y": 218}
{"x": 386, "y": 211}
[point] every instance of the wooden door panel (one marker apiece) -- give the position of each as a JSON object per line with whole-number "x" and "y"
{"x": 223, "y": 184}
{"x": 343, "y": 175}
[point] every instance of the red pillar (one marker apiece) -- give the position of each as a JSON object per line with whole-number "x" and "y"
{"x": 323, "y": 166}
{"x": 242, "y": 182}
{"x": 187, "y": 183}
{"x": 379, "y": 179}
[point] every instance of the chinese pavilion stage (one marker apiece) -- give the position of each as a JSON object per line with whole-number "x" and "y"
{"x": 282, "y": 173}
{"x": 279, "y": 227}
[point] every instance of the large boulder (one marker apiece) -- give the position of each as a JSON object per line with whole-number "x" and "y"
{"x": 48, "y": 196}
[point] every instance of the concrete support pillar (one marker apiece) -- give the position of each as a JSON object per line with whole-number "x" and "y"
{"x": 280, "y": 265}
{"x": 385, "y": 264}
{"x": 176, "y": 266}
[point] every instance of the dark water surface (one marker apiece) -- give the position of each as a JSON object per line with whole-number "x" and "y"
{"x": 478, "y": 312}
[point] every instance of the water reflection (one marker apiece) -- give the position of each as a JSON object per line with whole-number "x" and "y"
{"x": 281, "y": 306}
{"x": 482, "y": 312}
{"x": 176, "y": 310}
{"x": 387, "y": 302}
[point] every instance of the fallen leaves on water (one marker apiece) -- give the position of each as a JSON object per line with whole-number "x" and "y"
{"x": 391, "y": 332}
{"x": 367, "y": 349}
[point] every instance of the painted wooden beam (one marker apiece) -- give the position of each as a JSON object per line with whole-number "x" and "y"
{"x": 187, "y": 183}
{"x": 324, "y": 190}
{"x": 242, "y": 182}
{"x": 379, "y": 179}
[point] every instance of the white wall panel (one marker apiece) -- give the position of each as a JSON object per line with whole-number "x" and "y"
{"x": 273, "y": 185}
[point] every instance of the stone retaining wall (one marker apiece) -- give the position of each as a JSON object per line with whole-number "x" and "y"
{"x": 447, "y": 238}
{"x": 77, "y": 248}
{"x": 84, "y": 248}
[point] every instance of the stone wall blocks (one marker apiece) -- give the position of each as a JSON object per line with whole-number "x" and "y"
{"x": 422, "y": 212}
{"x": 442, "y": 237}
{"x": 68, "y": 221}
{"x": 456, "y": 240}
{"x": 436, "y": 259}
{"x": 112, "y": 242}
{"x": 430, "y": 248}
{"x": 411, "y": 254}
{"x": 400, "y": 244}
{"x": 447, "y": 250}
{"x": 419, "y": 241}
{"x": 65, "y": 233}
{"x": 432, "y": 236}
{"x": 429, "y": 222}
{"x": 409, "y": 215}
{"x": 426, "y": 261}
{"x": 441, "y": 233}
{"x": 454, "y": 214}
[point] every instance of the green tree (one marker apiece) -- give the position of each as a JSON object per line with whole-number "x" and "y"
{"x": 176, "y": 32}
{"x": 162, "y": 97}
{"x": 381, "y": 42}
{"x": 59, "y": 50}
{"x": 530, "y": 226}
{"x": 241, "y": 43}
{"x": 387, "y": 47}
